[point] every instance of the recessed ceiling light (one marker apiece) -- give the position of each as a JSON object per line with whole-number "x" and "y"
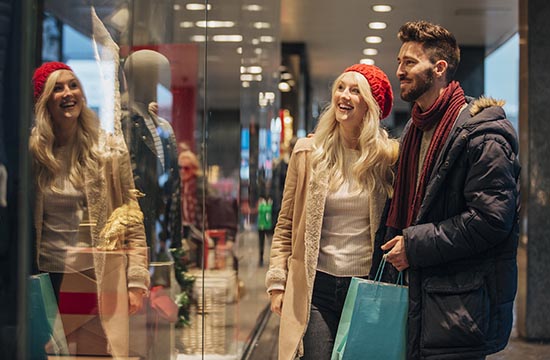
{"x": 198, "y": 38}
{"x": 373, "y": 39}
{"x": 197, "y": 7}
{"x": 284, "y": 87}
{"x": 367, "y": 61}
{"x": 381, "y": 8}
{"x": 215, "y": 24}
{"x": 177, "y": 7}
{"x": 186, "y": 24}
{"x": 370, "y": 52}
{"x": 252, "y": 7}
{"x": 227, "y": 38}
{"x": 267, "y": 39}
{"x": 262, "y": 25}
{"x": 377, "y": 25}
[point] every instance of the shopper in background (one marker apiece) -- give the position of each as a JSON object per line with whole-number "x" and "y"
{"x": 455, "y": 207}
{"x": 335, "y": 190}
{"x": 192, "y": 189}
{"x": 81, "y": 176}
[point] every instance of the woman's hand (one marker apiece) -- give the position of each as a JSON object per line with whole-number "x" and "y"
{"x": 135, "y": 300}
{"x": 277, "y": 301}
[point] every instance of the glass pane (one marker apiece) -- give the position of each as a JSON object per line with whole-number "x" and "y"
{"x": 193, "y": 105}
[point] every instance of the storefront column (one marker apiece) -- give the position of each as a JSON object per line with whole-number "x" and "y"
{"x": 533, "y": 302}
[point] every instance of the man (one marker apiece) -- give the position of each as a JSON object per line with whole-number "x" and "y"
{"x": 455, "y": 206}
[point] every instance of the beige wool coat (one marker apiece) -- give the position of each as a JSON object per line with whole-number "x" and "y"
{"x": 295, "y": 245}
{"x": 105, "y": 191}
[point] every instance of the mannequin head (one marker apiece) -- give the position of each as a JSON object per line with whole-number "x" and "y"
{"x": 144, "y": 70}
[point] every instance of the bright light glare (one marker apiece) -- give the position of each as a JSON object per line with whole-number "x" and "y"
{"x": 381, "y": 8}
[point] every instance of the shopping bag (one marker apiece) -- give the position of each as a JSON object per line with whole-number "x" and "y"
{"x": 345, "y": 320}
{"x": 377, "y": 328}
{"x": 45, "y": 325}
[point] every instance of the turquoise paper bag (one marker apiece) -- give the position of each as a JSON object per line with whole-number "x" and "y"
{"x": 377, "y": 326}
{"x": 45, "y": 326}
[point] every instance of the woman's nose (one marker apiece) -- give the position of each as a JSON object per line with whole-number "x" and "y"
{"x": 346, "y": 93}
{"x": 66, "y": 91}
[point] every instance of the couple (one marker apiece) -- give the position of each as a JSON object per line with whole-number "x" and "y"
{"x": 451, "y": 221}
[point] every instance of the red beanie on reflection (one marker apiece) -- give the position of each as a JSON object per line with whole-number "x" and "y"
{"x": 379, "y": 84}
{"x": 41, "y": 75}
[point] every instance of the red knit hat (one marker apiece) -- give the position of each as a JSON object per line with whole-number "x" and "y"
{"x": 379, "y": 84}
{"x": 41, "y": 75}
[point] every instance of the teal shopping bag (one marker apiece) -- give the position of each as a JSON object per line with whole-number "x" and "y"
{"x": 345, "y": 320}
{"x": 378, "y": 324}
{"x": 45, "y": 326}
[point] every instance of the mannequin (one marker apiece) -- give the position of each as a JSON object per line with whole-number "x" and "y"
{"x": 153, "y": 150}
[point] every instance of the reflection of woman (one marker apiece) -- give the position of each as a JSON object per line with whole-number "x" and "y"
{"x": 191, "y": 189}
{"x": 81, "y": 177}
{"x": 336, "y": 186}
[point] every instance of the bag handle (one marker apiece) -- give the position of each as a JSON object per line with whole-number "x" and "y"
{"x": 380, "y": 271}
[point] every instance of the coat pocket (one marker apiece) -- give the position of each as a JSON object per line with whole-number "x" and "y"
{"x": 455, "y": 311}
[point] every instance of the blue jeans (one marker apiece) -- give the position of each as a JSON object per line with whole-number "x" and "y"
{"x": 329, "y": 295}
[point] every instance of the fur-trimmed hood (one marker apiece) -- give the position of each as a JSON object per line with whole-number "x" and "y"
{"x": 481, "y": 103}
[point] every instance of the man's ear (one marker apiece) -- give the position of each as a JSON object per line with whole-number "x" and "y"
{"x": 440, "y": 69}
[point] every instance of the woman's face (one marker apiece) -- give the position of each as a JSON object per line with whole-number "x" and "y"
{"x": 66, "y": 100}
{"x": 350, "y": 107}
{"x": 187, "y": 170}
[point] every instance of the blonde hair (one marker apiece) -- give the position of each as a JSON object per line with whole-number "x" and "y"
{"x": 188, "y": 154}
{"x": 372, "y": 170}
{"x": 84, "y": 153}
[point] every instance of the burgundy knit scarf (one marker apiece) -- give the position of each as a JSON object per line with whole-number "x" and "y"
{"x": 443, "y": 113}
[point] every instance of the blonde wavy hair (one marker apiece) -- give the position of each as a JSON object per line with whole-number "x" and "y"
{"x": 84, "y": 151}
{"x": 377, "y": 151}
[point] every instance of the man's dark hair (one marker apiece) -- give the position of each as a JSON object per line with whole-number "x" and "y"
{"x": 437, "y": 41}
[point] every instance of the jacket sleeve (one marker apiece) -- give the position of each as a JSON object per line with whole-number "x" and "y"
{"x": 281, "y": 246}
{"x": 137, "y": 271}
{"x": 490, "y": 194}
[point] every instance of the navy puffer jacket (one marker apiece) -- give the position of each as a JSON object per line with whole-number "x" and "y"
{"x": 462, "y": 246}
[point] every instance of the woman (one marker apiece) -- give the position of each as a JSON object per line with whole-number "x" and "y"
{"x": 191, "y": 188}
{"x": 336, "y": 186}
{"x": 82, "y": 176}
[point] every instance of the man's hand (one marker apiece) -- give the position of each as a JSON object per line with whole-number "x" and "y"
{"x": 277, "y": 301}
{"x": 397, "y": 255}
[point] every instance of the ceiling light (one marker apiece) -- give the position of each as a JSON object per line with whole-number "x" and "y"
{"x": 381, "y": 8}
{"x": 252, "y": 7}
{"x": 377, "y": 25}
{"x": 367, "y": 61}
{"x": 286, "y": 76}
{"x": 267, "y": 39}
{"x": 373, "y": 39}
{"x": 284, "y": 87}
{"x": 245, "y": 84}
{"x": 262, "y": 25}
{"x": 186, "y": 24}
{"x": 197, "y": 7}
{"x": 215, "y": 24}
{"x": 255, "y": 69}
{"x": 198, "y": 38}
{"x": 239, "y": 50}
{"x": 258, "y": 51}
{"x": 370, "y": 52}
{"x": 227, "y": 38}
{"x": 177, "y": 7}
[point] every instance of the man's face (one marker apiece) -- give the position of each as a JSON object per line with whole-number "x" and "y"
{"x": 415, "y": 71}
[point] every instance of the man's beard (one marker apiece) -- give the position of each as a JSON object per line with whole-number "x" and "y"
{"x": 421, "y": 83}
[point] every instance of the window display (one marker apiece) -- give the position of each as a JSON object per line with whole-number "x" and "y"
{"x": 170, "y": 97}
